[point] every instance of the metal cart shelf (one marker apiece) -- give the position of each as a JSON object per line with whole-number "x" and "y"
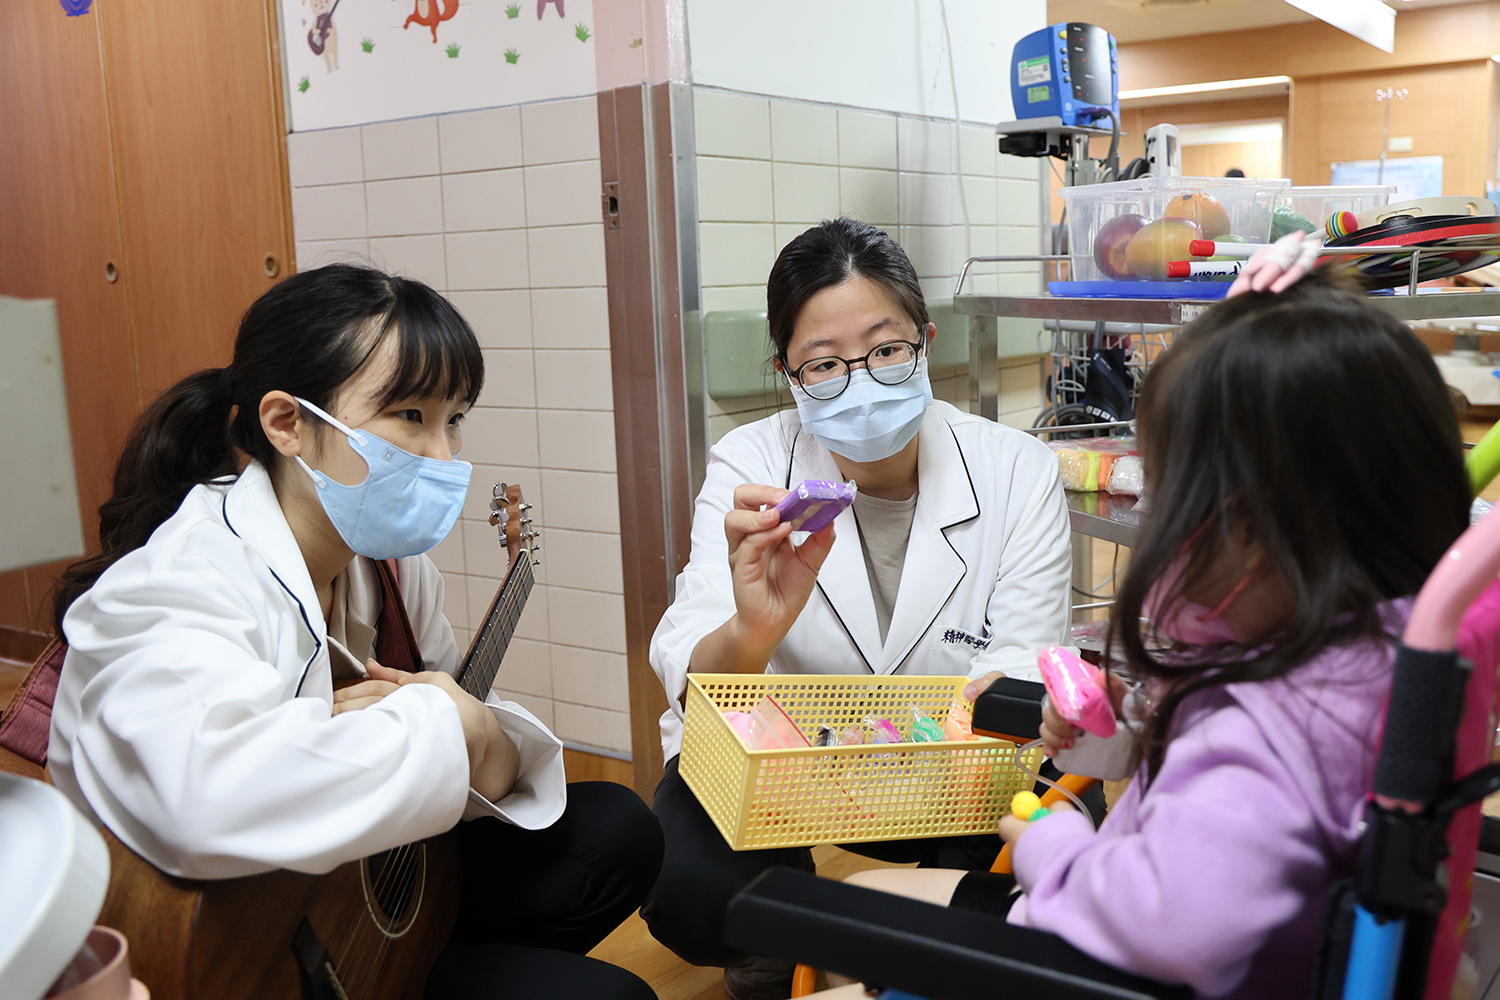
{"x": 1110, "y": 518}
{"x": 1099, "y": 515}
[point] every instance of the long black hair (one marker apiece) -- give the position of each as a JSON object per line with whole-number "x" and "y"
{"x": 1317, "y": 425}
{"x": 829, "y": 254}
{"x": 306, "y": 336}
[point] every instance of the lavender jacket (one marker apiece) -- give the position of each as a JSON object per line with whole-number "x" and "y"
{"x": 1216, "y": 876}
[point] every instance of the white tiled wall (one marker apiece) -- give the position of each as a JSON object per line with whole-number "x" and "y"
{"x": 768, "y": 169}
{"x": 499, "y": 209}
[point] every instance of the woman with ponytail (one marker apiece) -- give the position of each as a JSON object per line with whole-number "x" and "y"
{"x": 220, "y": 708}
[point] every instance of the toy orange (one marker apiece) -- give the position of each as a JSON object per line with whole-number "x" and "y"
{"x": 1203, "y": 210}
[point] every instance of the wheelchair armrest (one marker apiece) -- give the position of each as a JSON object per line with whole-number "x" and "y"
{"x": 932, "y": 951}
{"x": 1011, "y": 709}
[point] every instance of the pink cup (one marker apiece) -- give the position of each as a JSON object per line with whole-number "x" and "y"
{"x": 1077, "y": 690}
{"x": 112, "y": 981}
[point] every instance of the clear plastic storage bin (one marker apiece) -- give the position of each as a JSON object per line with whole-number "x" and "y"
{"x": 1316, "y": 203}
{"x": 1099, "y": 234}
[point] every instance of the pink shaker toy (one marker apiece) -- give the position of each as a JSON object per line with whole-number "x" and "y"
{"x": 1077, "y": 690}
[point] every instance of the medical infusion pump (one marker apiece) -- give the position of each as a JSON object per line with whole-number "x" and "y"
{"x": 1065, "y": 70}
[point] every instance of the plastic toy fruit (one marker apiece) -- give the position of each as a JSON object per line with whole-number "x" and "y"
{"x": 1285, "y": 219}
{"x": 1203, "y": 210}
{"x": 1109, "y": 245}
{"x": 1156, "y": 244}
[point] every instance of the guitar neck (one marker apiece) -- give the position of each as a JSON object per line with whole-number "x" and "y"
{"x": 483, "y": 662}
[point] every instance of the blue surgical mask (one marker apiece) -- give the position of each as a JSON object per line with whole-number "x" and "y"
{"x": 869, "y": 420}
{"x": 406, "y": 504}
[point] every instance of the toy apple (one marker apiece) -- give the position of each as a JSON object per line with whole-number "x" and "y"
{"x": 1111, "y": 241}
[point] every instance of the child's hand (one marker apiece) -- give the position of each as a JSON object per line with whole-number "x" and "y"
{"x": 1278, "y": 266}
{"x": 1057, "y": 733}
{"x": 1012, "y": 826}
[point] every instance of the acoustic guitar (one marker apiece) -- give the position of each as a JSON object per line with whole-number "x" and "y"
{"x": 368, "y": 930}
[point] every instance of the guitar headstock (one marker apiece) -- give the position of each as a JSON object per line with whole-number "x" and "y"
{"x": 510, "y": 513}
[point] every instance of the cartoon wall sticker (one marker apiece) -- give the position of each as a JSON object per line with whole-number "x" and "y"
{"x": 75, "y": 7}
{"x": 323, "y": 36}
{"x": 427, "y": 13}
{"x": 541, "y": 5}
{"x": 513, "y": 11}
{"x": 581, "y": 32}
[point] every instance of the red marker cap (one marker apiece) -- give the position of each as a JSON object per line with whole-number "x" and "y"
{"x": 1180, "y": 268}
{"x": 1201, "y": 248}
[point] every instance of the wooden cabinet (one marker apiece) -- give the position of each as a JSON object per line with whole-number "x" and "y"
{"x": 143, "y": 187}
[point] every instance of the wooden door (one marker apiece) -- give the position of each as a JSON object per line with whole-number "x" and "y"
{"x": 59, "y": 229}
{"x": 201, "y": 163}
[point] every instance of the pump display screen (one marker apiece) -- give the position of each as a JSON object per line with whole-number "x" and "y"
{"x": 1088, "y": 58}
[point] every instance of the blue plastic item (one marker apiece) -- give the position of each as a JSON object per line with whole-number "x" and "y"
{"x": 1067, "y": 70}
{"x": 1140, "y": 289}
{"x": 1374, "y": 957}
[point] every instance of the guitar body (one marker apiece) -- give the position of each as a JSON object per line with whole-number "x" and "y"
{"x": 233, "y": 939}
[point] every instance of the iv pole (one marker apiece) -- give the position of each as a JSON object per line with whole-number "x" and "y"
{"x": 1386, "y": 96}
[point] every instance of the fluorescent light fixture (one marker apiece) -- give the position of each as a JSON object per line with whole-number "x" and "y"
{"x": 1206, "y": 88}
{"x": 1213, "y": 135}
{"x": 1368, "y": 20}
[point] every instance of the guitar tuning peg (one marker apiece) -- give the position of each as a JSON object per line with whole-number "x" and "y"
{"x": 525, "y": 523}
{"x": 523, "y": 507}
{"x": 497, "y": 520}
{"x": 499, "y": 491}
{"x": 536, "y": 562}
{"x": 497, "y": 504}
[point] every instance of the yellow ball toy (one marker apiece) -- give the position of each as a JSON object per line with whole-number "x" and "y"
{"x": 1024, "y": 804}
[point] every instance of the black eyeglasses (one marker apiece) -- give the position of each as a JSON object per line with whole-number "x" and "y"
{"x": 890, "y": 363}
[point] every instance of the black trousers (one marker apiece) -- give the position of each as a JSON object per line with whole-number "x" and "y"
{"x": 700, "y": 874}
{"x": 534, "y": 901}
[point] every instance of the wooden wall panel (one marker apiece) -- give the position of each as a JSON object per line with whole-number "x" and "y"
{"x": 1134, "y": 121}
{"x": 1427, "y": 36}
{"x": 202, "y": 167}
{"x": 59, "y": 223}
{"x": 1256, "y": 159}
{"x": 1445, "y": 113}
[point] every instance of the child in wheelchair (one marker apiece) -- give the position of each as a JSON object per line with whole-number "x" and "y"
{"x": 1305, "y": 475}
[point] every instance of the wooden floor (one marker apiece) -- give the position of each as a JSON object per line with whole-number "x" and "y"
{"x": 632, "y": 947}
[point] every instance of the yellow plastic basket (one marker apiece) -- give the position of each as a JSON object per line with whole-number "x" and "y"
{"x": 842, "y": 795}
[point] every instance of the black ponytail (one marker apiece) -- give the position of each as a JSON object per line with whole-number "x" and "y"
{"x": 307, "y": 336}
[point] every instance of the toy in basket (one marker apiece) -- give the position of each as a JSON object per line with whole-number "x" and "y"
{"x": 803, "y": 796}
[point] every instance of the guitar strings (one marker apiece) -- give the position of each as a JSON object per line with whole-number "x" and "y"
{"x": 400, "y": 870}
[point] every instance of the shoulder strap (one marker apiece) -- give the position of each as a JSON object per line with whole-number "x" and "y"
{"x": 395, "y": 642}
{"x": 28, "y": 718}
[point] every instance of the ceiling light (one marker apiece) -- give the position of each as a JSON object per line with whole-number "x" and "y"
{"x": 1368, "y": 20}
{"x": 1204, "y": 88}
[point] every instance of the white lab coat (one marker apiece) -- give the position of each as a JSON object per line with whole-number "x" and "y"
{"x": 984, "y": 586}
{"x": 194, "y": 713}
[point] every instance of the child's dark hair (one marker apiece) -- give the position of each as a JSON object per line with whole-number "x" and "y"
{"x": 307, "y": 336}
{"x": 1316, "y": 425}
{"x": 829, "y": 254}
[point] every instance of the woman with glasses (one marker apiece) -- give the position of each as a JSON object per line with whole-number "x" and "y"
{"x": 954, "y": 558}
